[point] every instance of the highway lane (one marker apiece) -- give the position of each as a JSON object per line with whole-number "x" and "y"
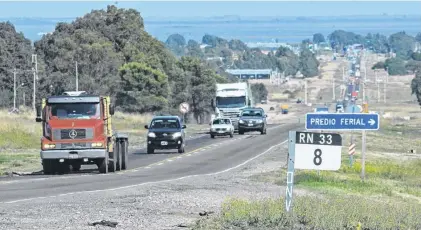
{"x": 137, "y": 157}
{"x": 224, "y": 153}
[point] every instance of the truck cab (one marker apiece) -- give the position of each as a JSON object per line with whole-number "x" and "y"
{"x": 230, "y": 100}
{"x": 77, "y": 130}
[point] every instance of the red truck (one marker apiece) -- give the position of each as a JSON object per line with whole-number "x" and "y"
{"x": 77, "y": 130}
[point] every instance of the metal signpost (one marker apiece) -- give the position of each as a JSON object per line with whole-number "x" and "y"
{"x": 314, "y": 151}
{"x": 184, "y": 109}
{"x": 345, "y": 122}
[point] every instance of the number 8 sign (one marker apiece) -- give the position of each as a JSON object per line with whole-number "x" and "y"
{"x": 317, "y": 151}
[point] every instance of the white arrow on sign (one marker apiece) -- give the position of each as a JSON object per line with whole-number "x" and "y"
{"x": 372, "y": 122}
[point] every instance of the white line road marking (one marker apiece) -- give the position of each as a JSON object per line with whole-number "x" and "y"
{"x": 154, "y": 182}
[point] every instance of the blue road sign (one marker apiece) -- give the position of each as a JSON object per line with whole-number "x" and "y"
{"x": 342, "y": 121}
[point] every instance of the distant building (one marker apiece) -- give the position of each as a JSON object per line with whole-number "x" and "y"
{"x": 252, "y": 73}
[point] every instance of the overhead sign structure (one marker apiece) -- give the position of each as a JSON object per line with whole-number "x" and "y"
{"x": 342, "y": 121}
{"x": 318, "y": 151}
{"x": 307, "y": 150}
{"x": 184, "y": 108}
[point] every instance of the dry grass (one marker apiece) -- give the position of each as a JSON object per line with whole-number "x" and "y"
{"x": 389, "y": 198}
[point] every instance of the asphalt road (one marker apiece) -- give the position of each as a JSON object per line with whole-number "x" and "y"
{"x": 203, "y": 155}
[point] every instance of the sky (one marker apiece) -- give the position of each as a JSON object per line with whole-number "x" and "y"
{"x": 160, "y": 9}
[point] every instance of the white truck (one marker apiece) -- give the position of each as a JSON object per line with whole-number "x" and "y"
{"x": 230, "y": 99}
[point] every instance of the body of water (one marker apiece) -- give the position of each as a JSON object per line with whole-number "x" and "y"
{"x": 290, "y": 30}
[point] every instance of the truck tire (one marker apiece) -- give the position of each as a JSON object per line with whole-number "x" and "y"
{"x": 118, "y": 156}
{"x": 125, "y": 155}
{"x": 112, "y": 163}
{"x": 76, "y": 167}
{"x": 62, "y": 168}
{"x": 48, "y": 167}
{"x": 103, "y": 165}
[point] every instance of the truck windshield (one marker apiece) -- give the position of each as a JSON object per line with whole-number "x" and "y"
{"x": 230, "y": 102}
{"x": 75, "y": 111}
{"x": 165, "y": 123}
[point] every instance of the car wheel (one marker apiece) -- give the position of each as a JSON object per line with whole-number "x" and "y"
{"x": 150, "y": 150}
{"x": 212, "y": 136}
{"x": 181, "y": 149}
{"x": 231, "y": 134}
{"x": 241, "y": 132}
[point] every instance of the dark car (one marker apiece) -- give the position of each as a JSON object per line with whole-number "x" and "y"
{"x": 252, "y": 119}
{"x": 165, "y": 132}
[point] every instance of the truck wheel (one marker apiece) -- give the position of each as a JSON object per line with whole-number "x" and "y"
{"x": 76, "y": 167}
{"x": 62, "y": 168}
{"x": 48, "y": 166}
{"x": 103, "y": 165}
{"x": 112, "y": 163}
{"x": 150, "y": 150}
{"x": 118, "y": 156}
{"x": 125, "y": 155}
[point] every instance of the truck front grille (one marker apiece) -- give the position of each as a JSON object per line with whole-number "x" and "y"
{"x": 70, "y": 134}
{"x": 72, "y": 145}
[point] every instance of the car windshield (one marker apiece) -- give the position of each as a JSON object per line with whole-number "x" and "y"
{"x": 252, "y": 113}
{"x": 165, "y": 123}
{"x": 221, "y": 122}
{"x": 75, "y": 111}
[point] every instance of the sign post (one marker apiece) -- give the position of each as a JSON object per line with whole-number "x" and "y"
{"x": 314, "y": 151}
{"x": 345, "y": 122}
{"x": 184, "y": 109}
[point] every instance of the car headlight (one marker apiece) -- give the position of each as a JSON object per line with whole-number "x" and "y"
{"x": 152, "y": 135}
{"x": 241, "y": 121}
{"x": 177, "y": 134}
{"x": 212, "y": 129}
{"x": 49, "y": 146}
{"x": 259, "y": 121}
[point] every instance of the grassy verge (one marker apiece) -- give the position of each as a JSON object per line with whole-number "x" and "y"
{"x": 312, "y": 212}
{"x": 389, "y": 198}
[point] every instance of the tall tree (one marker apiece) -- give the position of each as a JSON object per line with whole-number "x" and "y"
{"x": 318, "y": 38}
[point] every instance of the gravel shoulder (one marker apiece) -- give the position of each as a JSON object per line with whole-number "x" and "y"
{"x": 166, "y": 205}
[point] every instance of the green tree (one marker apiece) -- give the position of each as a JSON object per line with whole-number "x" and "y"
{"x": 202, "y": 86}
{"x": 176, "y": 43}
{"x": 144, "y": 89}
{"x": 259, "y": 91}
{"x": 318, "y": 38}
{"x": 418, "y": 37}
{"x": 416, "y": 86}
{"x": 395, "y": 66}
{"x": 15, "y": 52}
{"x": 379, "y": 65}
{"x": 402, "y": 44}
{"x": 193, "y": 49}
{"x": 309, "y": 65}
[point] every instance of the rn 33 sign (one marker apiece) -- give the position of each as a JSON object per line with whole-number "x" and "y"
{"x": 317, "y": 151}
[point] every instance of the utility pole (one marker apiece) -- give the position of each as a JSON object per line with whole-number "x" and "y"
{"x": 14, "y": 89}
{"x": 384, "y": 96}
{"x": 35, "y": 70}
{"x": 305, "y": 91}
{"x": 77, "y": 79}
